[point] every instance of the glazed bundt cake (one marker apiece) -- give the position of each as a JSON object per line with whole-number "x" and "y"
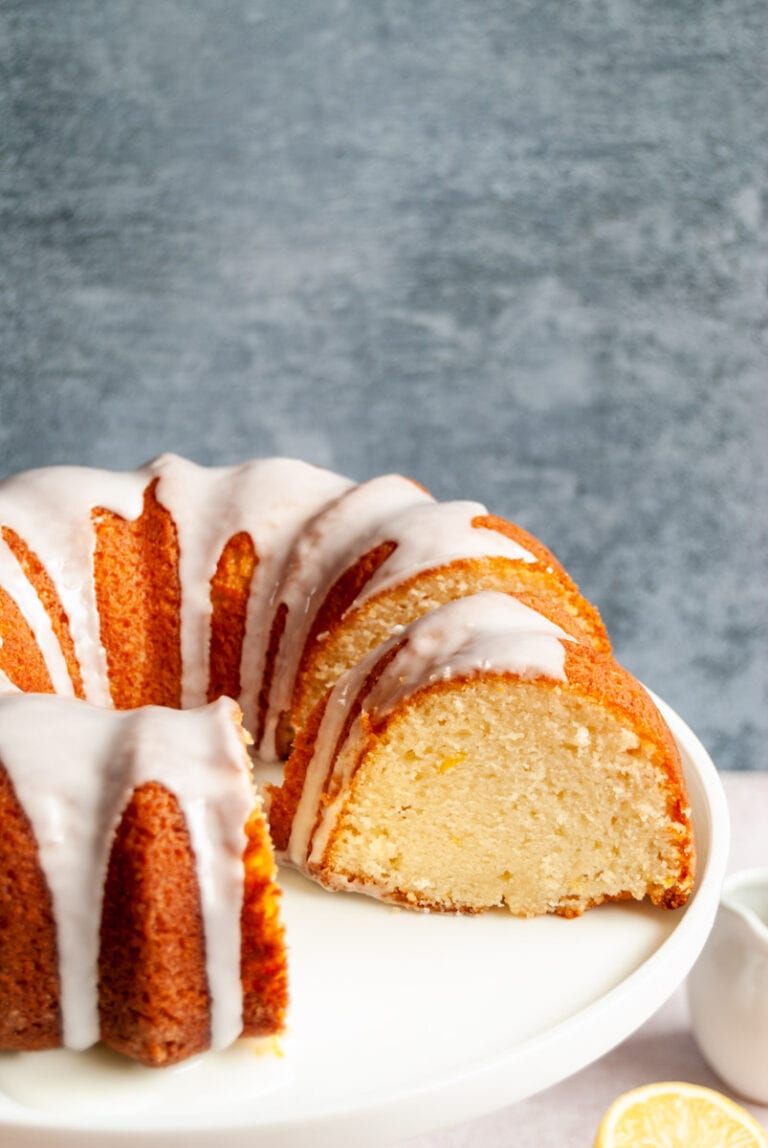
{"x": 268, "y": 583}
{"x": 138, "y": 902}
{"x": 381, "y": 555}
{"x": 130, "y": 589}
{"x": 483, "y": 757}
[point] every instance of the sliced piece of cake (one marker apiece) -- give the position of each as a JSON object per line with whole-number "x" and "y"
{"x": 483, "y": 757}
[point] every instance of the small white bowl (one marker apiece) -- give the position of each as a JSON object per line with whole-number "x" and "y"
{"x": 728, "y": 987}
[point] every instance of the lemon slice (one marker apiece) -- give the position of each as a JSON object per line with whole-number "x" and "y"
{"x": 678, "y": 1116}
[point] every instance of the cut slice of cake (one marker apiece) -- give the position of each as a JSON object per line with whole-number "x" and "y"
{"x": 381, "y": 556}
{"x": 481, "y": 758}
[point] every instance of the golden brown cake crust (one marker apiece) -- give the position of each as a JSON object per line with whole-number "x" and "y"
{"x": 338, "y": 601}
{"x": 138, "y": 594}
{"x": 606, "y": 681}
{"x": 20, "y": 657}
{"x": 263, "y": 961}
{"x": 45, "y": 589}
{"x": 284, "y": 799}
{"x": 154, "y": 1002}
{"x": 230, "y": 587}
{"x": 543, "y": 556}
{"x": 347, "y": 587}
{"x": 29, "y": 979}
{"x": 153, "y": 992}
{"x": 427, "y": 590}
{"x": 588, "y": 616}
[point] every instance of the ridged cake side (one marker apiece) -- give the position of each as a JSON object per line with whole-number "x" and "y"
{"x": 137, "y": 846}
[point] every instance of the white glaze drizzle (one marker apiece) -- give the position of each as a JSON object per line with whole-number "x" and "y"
{"x": 327, "y": 546}
{"x": 50, "y": 509}
{"x": 74, "y": 767}
{"x": 487, "y": 632}
{"x": 434, "y": 535}
{"x": 14, "y": 581}
{"x": 269, "y": 499}
{"x": 427, "y": 535}
{"x": 307, "y": 525}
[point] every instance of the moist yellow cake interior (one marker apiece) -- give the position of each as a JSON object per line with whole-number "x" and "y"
{"x": 532, "y": 798}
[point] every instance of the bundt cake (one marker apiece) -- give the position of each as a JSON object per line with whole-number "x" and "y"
{"x": 175, "y": 585}
{"x": 138, "y": 902}
{"x": 379, "y": 556}
{"x": 483, "y": 757}
{"x": 130, "y": 589}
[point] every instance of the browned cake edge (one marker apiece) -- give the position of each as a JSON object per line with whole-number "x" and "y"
{"x": 138, "y": 597}
{"x": 21, "y": 659}
{"x": 153, "y": 991}
{"x": 29, "y": 970}
{"x": 230, "y": 589}
{"x": 43, "y": 585}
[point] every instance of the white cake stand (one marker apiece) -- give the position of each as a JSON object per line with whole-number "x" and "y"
{"x": 400, "y": 1022}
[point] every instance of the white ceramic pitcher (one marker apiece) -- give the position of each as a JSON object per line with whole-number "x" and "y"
{"x": 728, "y": 987}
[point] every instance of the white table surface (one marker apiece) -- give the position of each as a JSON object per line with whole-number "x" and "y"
{"x": 567, "y": 1115}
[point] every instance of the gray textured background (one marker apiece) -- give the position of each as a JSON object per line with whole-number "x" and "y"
{"x": 514, "y": 249}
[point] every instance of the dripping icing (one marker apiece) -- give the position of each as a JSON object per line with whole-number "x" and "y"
{"x": 75, "y": 797}
{"x": 486, "y": 632}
